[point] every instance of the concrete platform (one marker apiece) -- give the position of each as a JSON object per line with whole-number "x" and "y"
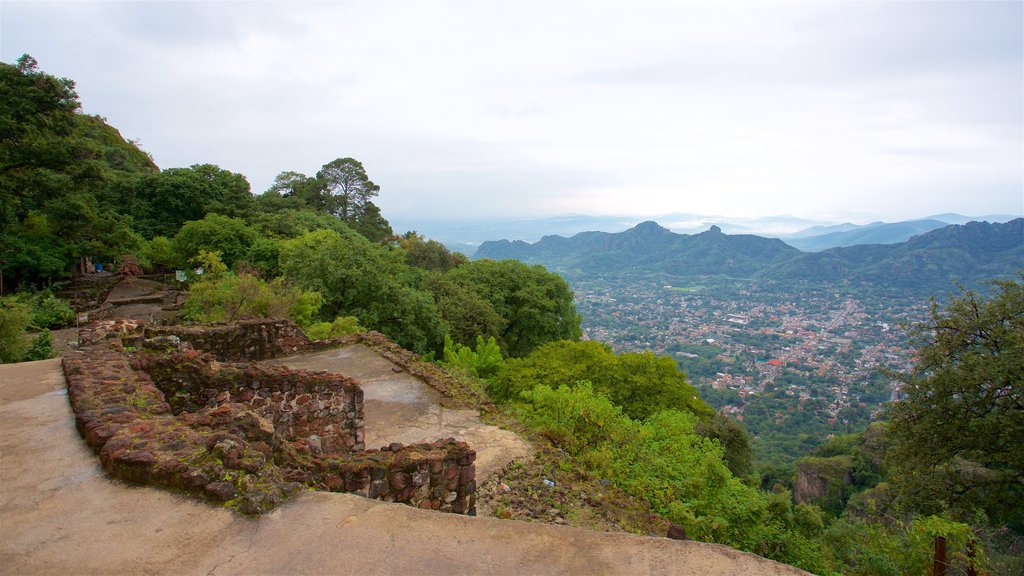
{"x": 60, "y": 514}
{"x": 401, "y": 408}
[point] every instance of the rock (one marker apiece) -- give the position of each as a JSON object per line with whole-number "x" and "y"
{"x": 222, "y": 491}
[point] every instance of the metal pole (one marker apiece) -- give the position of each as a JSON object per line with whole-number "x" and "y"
{"x": 939, "y": 567}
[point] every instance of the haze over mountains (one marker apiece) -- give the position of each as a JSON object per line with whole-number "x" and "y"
{"x": 807, "y": 234}
{"x": 927, "y": 263}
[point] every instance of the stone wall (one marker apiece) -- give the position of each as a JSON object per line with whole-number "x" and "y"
{"x": 245, "y": 340}
{"x": 325, "y": 410}
{"x": 231, "y": 447}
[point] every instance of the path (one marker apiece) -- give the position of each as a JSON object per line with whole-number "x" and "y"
{"x": 59, "y": 513}
{"x": 401, "y": 408}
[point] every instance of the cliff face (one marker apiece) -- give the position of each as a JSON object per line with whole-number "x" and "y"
{"x": 823, "y": 481}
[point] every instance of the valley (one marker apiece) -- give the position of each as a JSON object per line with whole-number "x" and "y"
{"x": 794, "y": 364}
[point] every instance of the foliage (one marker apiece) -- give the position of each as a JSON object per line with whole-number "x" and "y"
{"x": 641, "y": 383}
{"x": 465, "y": 312}
{"x": 57, "y": 167}
{"x": 428, "y": 254}
{"x": 48, "y": 311}
{"x": 367, "y": 281}
{"x": 483, "y": 362}
{"x": 681, "y": 473}
{"x": 160, "y": 203}
{"x": 231, "y": 237}
{"x": 228, "y": 296}
{"x": 346, "y": 189}
{"x": 867, "y": 548}
{"x": 957, "y": 435}
{"x": 41, "y": 347}
{"x": 536, "y": 305}
{"x": 160, "y": 254}
{"x": 739, "y": 456}
{"x": 15, "y": 318}
{"x": 342, "y": 326}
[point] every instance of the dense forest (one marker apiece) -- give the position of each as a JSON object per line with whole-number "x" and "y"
{"x": 947, "y": 461}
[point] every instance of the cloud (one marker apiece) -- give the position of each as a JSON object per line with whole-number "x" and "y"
{"x": 528, "y": 108}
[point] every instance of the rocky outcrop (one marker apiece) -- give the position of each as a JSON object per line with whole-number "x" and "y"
{"x": 823, "y": 481}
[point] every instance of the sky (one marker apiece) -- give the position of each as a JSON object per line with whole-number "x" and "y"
{"x": 463, "y": 110}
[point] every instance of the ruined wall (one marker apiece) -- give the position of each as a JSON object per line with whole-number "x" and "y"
{"x": 232, "y": 448}
{"x": 325, "y": 410}
{"x": 245, "y": 340}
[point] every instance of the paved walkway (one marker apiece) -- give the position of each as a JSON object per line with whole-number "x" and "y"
{"x": 401, "y": 408}
{"x": 59, "y": 514}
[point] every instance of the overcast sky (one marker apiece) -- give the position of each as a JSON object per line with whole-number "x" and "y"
{"x": 472, "y": 109}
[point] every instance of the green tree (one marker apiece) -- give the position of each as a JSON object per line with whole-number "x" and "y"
{"x": 232, "y": 237}
{"x": 739, "y": 456}
{"x": 641, "y": 383}
{"x": 347, "y": 188}
{"x": 466, "y": 314}
{"x": 56, "y": 167}
{"x": 15, "y": 318}
{"x": 428, "y": 254}
{"x": 536, "y": 306}
{"x": 161, "y": 203}
{"x": 959, "y": 433}
{"x": 366, "y": 280}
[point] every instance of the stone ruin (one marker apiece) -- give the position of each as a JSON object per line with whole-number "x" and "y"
{"x": 186, "y": 408}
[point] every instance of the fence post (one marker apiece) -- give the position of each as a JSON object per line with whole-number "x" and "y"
{"x": 939, "y": 567}
{"x": 970, "y": 559}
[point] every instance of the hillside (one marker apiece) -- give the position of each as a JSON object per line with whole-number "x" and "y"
{"x": 647, "y": 248}
{"x": 926, "y": 263}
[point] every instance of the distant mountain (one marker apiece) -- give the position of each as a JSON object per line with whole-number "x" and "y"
{"x": 647, "y": 248}
{"x": 966, "y": 253}
{"x": 929, "y": 262}
{"x": 950, "y": 218}
{"x": 876, "y": 233}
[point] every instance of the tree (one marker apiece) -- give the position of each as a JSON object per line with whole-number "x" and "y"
{"x": 642, "y": 384}
{"x": 56, "y": 168}
{"x": 428, "y": 254}
{"x": 302, "y": 189}
{"x": 536, "y": 306}
{"x": 959, "y": 434}
{"x": 366, "y": 280}
{"x": 466, "y": 313}
{"x": 161, "y": 203}
{"x": 229, "y": 236}
{"x": 347, "y": 186}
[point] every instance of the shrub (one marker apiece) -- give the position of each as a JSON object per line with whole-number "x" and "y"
{"x": 342, "y": 326}
{"x": 228, "y": 297}
{"x": 15, "y": 318}
{"x": 48, "y": 311}
{"x": 483, "y": 362}
{"x": 41, "y": 347}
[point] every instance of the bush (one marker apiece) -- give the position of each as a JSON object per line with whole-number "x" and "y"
{"x": 48, "y": 311}
{"x": 342, "y": 326}
{"x": 228, "y": 297}
{"x": 159, "y": 253}
{"x": 41, "y": 347}
{"x": 15, "y": 318}
{"x": 484, "y": 362}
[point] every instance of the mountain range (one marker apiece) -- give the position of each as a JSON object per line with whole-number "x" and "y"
{"x": 929, "y": 262}
{"x": 803, "y": 233}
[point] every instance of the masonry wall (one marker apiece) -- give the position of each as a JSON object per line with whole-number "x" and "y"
{"x": 241, "y": 434}
{"x": 325, "y": 410}
{"x": 245, "y": 340}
